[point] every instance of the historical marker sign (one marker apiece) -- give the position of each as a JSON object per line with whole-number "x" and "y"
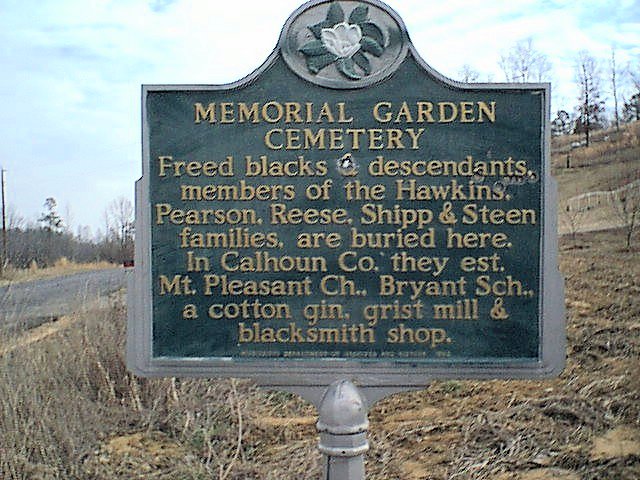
{"x": 346, "y": 211}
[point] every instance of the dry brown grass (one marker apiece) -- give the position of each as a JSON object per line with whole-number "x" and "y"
{"x": 70, "y": 410}
{"x": 61, "y": 267}
{"x": 12, "y": 343}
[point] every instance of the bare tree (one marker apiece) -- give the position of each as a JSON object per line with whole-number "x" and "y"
{"x": 119, "y": 222}
{"x": 614, "y": 88}
{"x": 523, "y": 63}
{"x": 626, "y": 205}
{"x": 591, "y": 108}
{"x": 468, "y": 74}
{"x": 634, "y": 75}
{"x": 120, "y": 212}
{"x": 68, "y": 218}
{"x": 106, "y": 218}
{"x": 572, "y": 217}
{"x": 83, "y": 233}
{"x": 15, "y": 221}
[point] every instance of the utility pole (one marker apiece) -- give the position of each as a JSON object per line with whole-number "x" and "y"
{"x": 3, "y": 261}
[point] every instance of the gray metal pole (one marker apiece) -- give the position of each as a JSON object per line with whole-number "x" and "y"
{"x": 343, "y": 425}
{"x": 4, "y": 225}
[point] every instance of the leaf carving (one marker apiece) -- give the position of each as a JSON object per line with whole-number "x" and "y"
{"x": 313, "y": 48}
{"x": 369, "y": 45}
{"x": 362, "y": 62}
{"x": 317, "y": 28}
{"x": 335, "y": 14}
{"x": 359, "y": 14}
{"x": 347, "y": 68}
{"x": 371, "y": 30}
{"x": 318, "y": 62}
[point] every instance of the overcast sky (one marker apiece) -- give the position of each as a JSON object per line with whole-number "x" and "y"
{"x": 72, "y": 70}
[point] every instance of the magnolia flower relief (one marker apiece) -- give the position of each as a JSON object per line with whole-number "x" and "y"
{"x": 345, "y": 43}
{"x": 343, "y": 40}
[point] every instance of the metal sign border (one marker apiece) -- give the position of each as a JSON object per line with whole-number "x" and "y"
{"x": 389, "y": 375}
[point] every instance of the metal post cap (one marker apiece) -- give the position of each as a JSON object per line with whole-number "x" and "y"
{"x": 343, "y": 410}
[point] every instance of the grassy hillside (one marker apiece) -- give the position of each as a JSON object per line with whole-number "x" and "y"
{"x": 612, "y": 160}
{"x": 70, "y": 410}
{"x": 610, "y": 163}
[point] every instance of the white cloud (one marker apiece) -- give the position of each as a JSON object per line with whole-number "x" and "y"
{"x": 71, "y": 114}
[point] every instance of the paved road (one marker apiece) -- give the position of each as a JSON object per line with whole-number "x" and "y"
{"x": 32, "y": 303}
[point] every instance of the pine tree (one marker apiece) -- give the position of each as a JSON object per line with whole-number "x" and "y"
{"x": 50, "y": 220}
{"x": 631, "y": 109}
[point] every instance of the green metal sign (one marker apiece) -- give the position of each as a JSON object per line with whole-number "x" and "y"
{"x": 346, "y": 208}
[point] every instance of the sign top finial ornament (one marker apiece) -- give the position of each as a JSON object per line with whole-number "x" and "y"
{"x": 344, "y": 44}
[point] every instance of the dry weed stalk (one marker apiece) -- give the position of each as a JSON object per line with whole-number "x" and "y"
{"x": 235, "y": 401}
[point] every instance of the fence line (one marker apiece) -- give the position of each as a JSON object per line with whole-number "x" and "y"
{"x": 590, "y": 200}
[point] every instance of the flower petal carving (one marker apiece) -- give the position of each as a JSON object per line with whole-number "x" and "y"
{"x": 348, "y": 44}
{"x": 343, "y": 39}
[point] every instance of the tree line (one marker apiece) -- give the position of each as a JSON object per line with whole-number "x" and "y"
{"x": 50, "y": 238}
{"x": 593, "y": 80}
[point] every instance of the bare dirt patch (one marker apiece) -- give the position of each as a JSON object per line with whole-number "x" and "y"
{"x": 541, "y": 474}
{"x": 275, "y": 422}
{"x": 623, "y": 441}
{"x": 138, "y": 455}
